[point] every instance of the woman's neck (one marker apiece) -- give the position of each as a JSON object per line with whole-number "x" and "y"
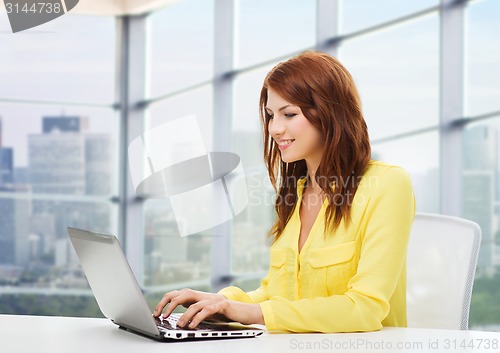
{"x": 312, "y": 184}
{"x": 311, "y": 176}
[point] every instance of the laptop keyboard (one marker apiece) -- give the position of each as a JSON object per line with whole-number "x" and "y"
{"x": 170, "y": 323}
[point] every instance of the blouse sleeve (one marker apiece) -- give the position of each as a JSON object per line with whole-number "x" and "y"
{"x": 255, "y": 296}
{"x": 386, "y": 225}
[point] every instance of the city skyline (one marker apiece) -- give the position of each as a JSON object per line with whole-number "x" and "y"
{"x": 63, "y": 159}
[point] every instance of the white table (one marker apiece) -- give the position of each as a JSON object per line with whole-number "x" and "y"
{"x": 42, "y": 334}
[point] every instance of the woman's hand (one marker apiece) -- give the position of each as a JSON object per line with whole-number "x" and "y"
{"x": 201, "y": 306}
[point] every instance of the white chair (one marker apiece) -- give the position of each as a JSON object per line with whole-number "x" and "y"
{"x": 441, "y": 265}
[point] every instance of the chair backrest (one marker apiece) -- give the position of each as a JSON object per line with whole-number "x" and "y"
{"x": 441, "y": 265}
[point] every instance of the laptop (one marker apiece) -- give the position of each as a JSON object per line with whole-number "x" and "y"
{"x": 121, "y": 300}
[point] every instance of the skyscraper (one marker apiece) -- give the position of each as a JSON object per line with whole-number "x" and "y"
{"x": 98, "y": 164}
{"x": 64, "y": 124}
{"x": 14, "y": 226}
{"x": 6, "y": 165}
{"x": 57, "y": 163}
{"x": 6, "y": 161}
{"x": 14, "y": 212}
{"x": 67, "y": 160}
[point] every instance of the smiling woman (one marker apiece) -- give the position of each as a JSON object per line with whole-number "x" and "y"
{"x": 337, "y": 263}
{"x": 296, "y": 137}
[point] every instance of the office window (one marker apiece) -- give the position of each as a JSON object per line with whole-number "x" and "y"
{"x": 70, "y": 59}
{"x": 172, "y": 261}
{"x": 62, "y": 150}
{"x": 197, "y": 102}
{"x": 480, "y": 163}
{"x": 169, "y": 259}
{"x": 396, "y": 72}
{"x": 481, "y": 200}
{"x": 181, "y": 45}
{"x": 269, "y": 29}
{"x": 56, "y": 170}
{"x": 361, "y": 14}
{"x": 58, "y": 159}
{"x": 422, "y": 163}
{"x": 482, "y": 58}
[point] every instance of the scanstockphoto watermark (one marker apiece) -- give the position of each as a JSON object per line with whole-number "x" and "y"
{"x": 431, "y": 344}
{"x": 25, "y": 14}
{"x": 328, "y": 344}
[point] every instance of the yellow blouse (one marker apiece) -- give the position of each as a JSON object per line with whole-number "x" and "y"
{"x": 352, "y": 280}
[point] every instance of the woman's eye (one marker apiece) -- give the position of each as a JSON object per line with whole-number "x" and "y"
{"x": 290, "y": 115}
{"x": 270, "y": 116}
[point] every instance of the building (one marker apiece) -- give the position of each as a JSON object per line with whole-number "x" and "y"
{"x": 14, "y": 220}
{"x": 57, "y": 163}
{"x": 64, "y": 124}
{"x": 98, "y": 164}
{"x": 6, "y": 165}
{"x": 6, "y": 161}
{"x": 67, "y": 160}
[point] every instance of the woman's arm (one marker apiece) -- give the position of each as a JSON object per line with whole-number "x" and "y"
{"x": 231, "y": 302}
{"x": 256, "y": 296}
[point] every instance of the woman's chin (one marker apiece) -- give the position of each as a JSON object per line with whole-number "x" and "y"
{"x": 288, "y": 159}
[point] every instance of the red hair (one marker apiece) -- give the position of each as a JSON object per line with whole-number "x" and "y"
{"x": 325, "y": 92}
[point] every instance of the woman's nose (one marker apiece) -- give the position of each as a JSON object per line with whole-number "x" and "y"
{"x": 276, "y": 127}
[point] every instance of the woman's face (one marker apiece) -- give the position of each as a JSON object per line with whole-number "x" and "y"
{"x": 294, "y": 135}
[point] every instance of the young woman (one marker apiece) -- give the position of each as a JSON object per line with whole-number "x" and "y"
{"x": 337, "y": 262}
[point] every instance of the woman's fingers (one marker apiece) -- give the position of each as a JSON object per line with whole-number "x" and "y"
{"x": 163, "y": 302}
{"x": 173, "y": 299}
{"x": 200, "y": 306}
{"x": 186, "y": 318}
{"x": 200, "y": 311}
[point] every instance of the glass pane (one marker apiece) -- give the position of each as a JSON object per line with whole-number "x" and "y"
{"x": 397, "y": 75}
{"x": 172, "y": 261}
{"x": 481, "y": 196}
{"x": 246, "y": 118}
{"x": 482, "y": 57}
{"x": 419, "y": 155}
{"x": 40, "y": 273}
{"x": 249, "y": 249}
{"x": 268, "y": 29}
{"x": 56, "y": 170}
{"x": 361, "y": 14}
{"x": 197, "y": 102}
{"x": 249, "y": 243}
{"x": 60, "y": 150}
{"x": 181, "y": 45}
{"x": 71, "y": 58}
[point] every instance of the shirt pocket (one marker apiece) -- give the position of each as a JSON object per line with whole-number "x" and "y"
{"x": 277, "y": 277}
{"x": 332, "y": 268}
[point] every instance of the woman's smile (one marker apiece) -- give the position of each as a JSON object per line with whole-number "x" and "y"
{"x": 282, "y": 144}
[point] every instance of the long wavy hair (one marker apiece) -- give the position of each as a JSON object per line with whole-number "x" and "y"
{"x": 325, "y": 92}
